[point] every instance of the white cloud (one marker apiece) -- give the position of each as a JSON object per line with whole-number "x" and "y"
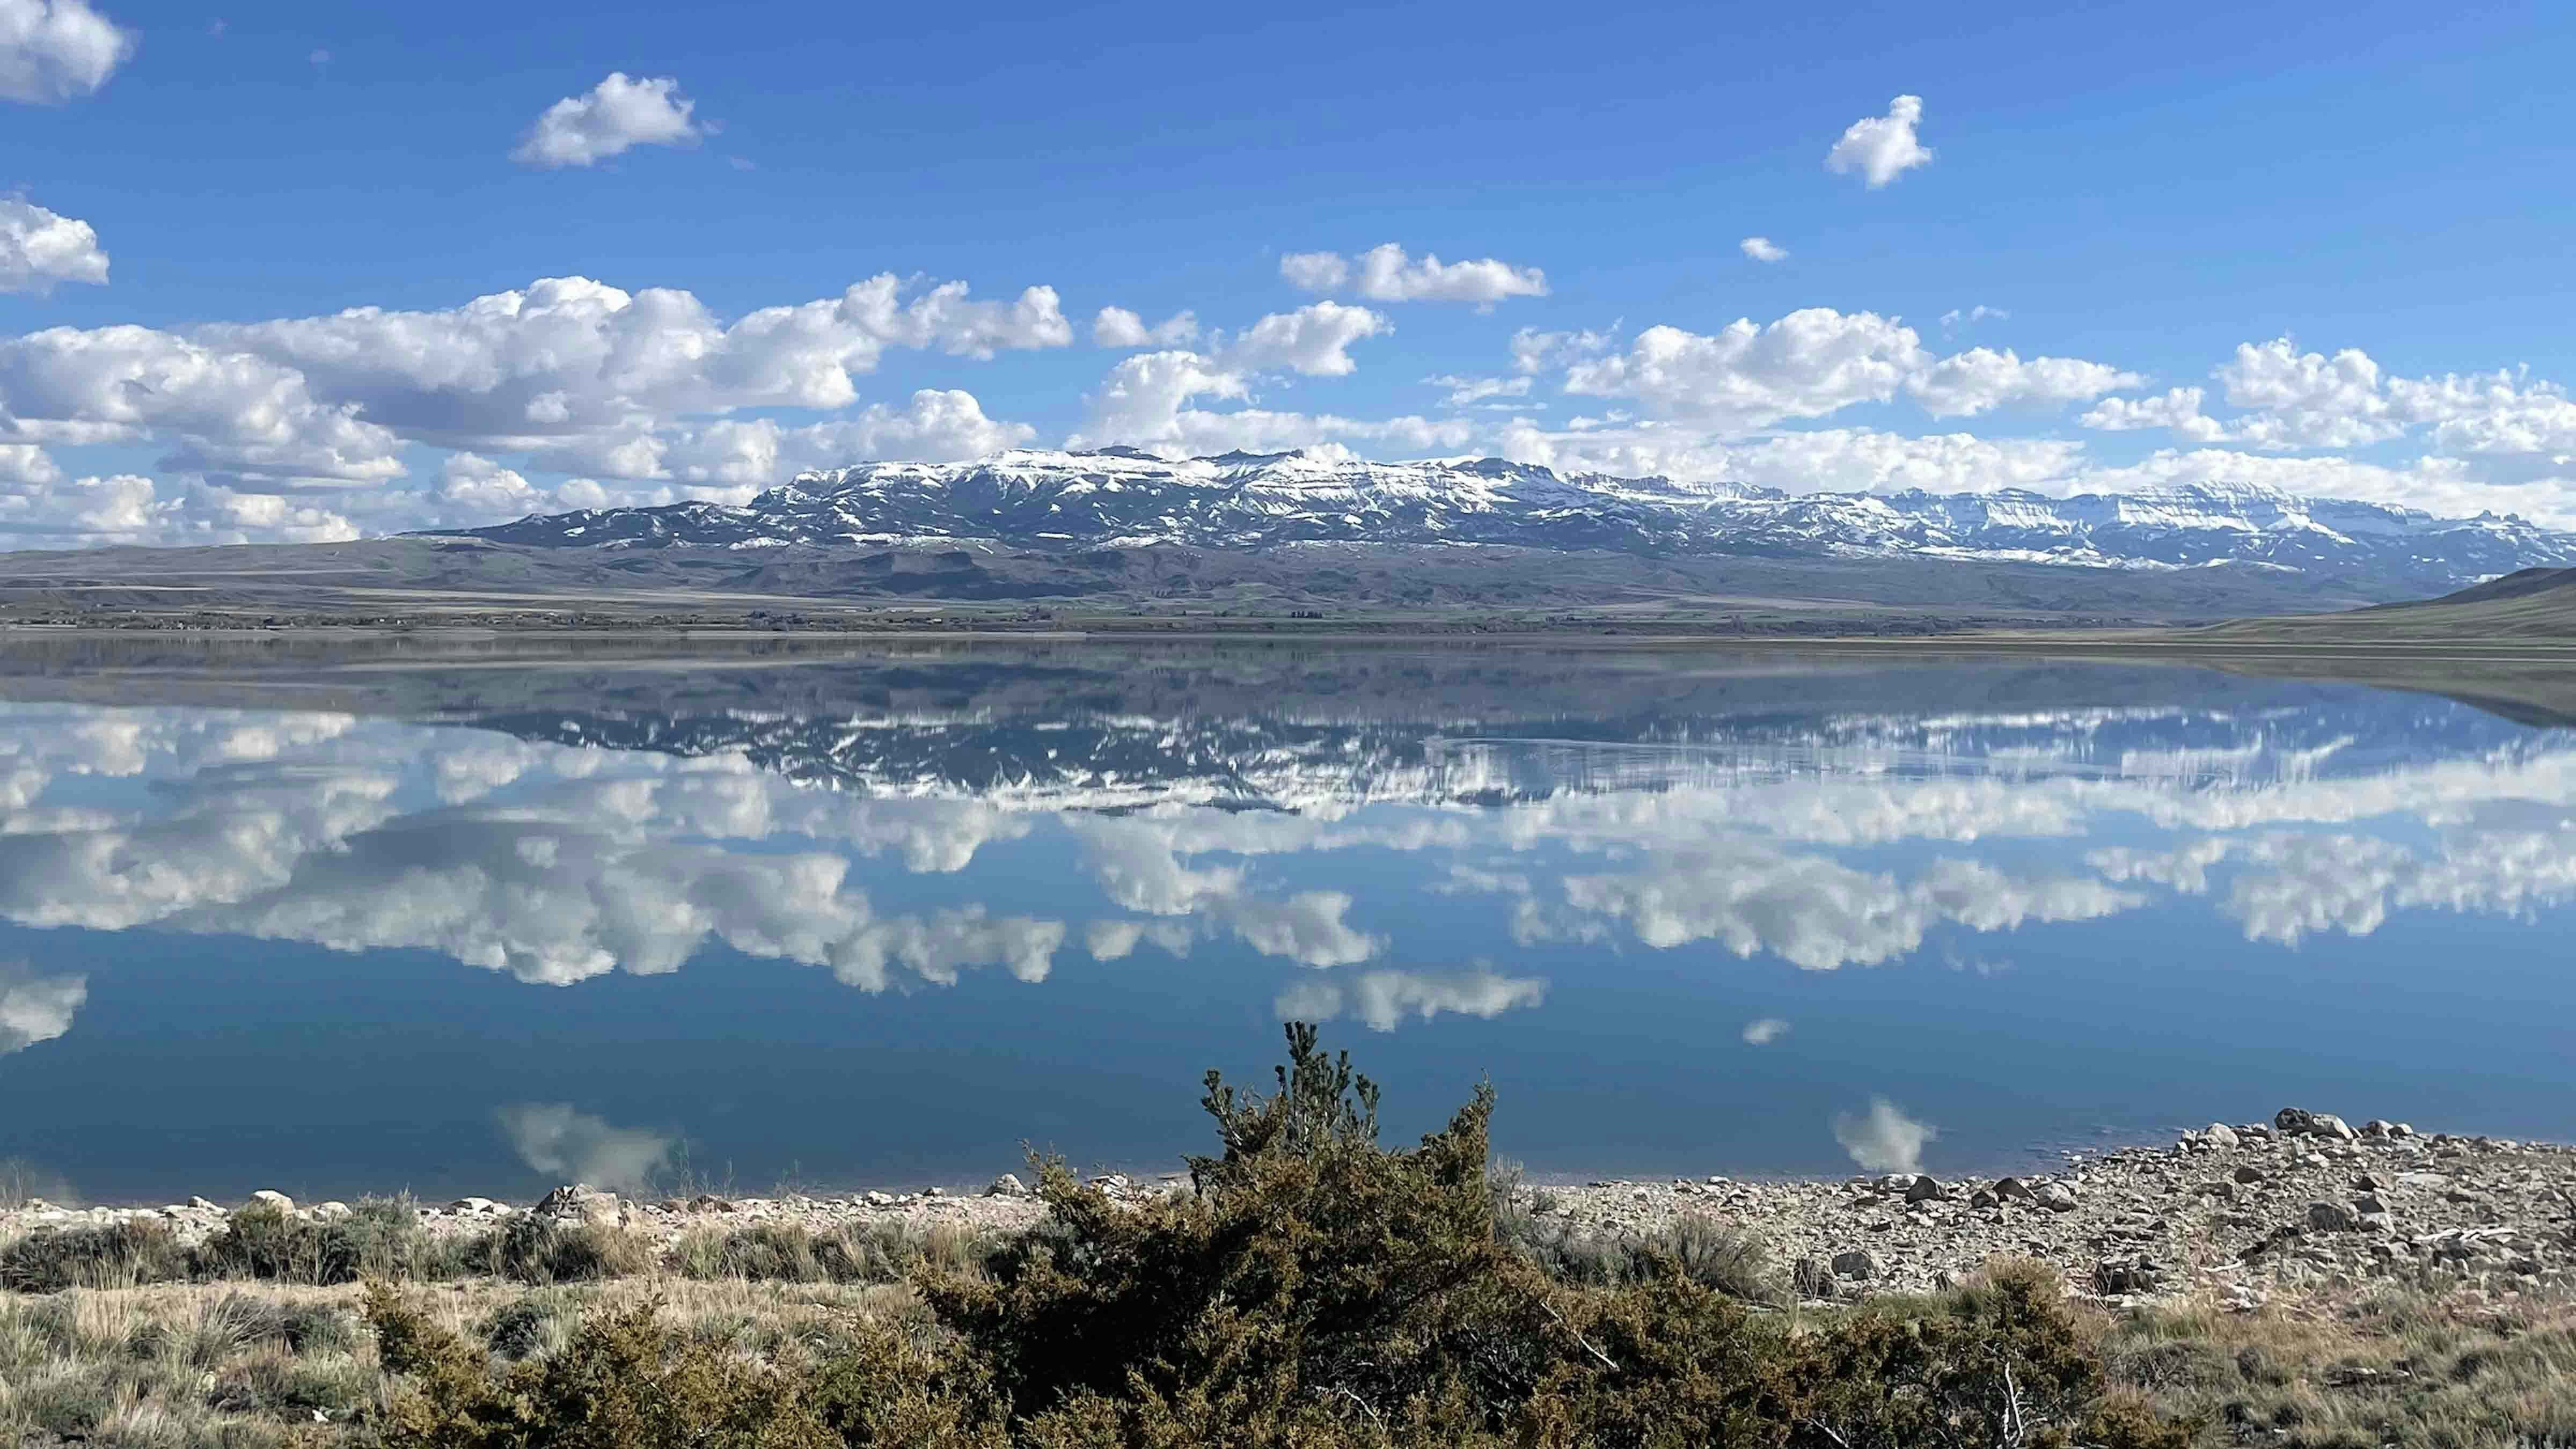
{"x": 1383, "y": 999}
{"x": 1118, "y": 327}
{"x": 1817, "y": 361}
{"x": 1765, "y": 1031}
{"x": 1314, "y": 340}
{"x": 36, "y": 1008}
{"x": 1971, "y": 316}
{"x": 1315, "y": 271}
{"x": 39, "y": 248}
{"x": 1881, "y": 148}
{"x": 1468, "y": 391}
{"x": 1763, "y": 249}
{"x": 1982, "y": 379}
{"x": 27, "y": 463}
{"x": 2177, "y": 409}
{"x": 1535, "y": 351}
{"x": 570, "y": 1146}
{"x": 1386, "y": 274}
{"x": 53, "y": 51}
{"x": 1884, "y": 1139}
{"x": 612, "y": 118}
{"x": 477, "y": 487}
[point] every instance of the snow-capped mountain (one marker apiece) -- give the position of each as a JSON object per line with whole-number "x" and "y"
{"x": 1120, "y": 497}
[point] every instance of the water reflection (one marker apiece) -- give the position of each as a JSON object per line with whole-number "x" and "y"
{"x": 1412, "y": 844}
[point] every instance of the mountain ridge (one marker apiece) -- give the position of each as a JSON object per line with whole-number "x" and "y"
{"x": 1066, "y": 502}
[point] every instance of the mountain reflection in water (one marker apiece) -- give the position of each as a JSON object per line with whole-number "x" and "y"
{"x": 882, "y": 918}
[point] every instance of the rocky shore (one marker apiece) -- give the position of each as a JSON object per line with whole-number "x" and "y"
{"x": 2303, "y": 1209}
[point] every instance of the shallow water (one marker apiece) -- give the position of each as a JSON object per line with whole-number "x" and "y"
{"x": 486, "y": 925}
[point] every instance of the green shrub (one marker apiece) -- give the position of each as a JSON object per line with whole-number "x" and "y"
{"x": 1317, "y": 1290}
{"x": 380, "y": 1238}
{"x": 118, "y": 1255}
{"x": 541, "y": 1250}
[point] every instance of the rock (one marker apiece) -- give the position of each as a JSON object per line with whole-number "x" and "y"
{"x": 2257, "y": 1132}
{"x": 2219, "y": 1134}
{"x": 331, "y": 1211}
{"x": 879, "y": 1199}
{"x": 2367, "y": 1204}
{"x": 934, "y": 1192}
{"x": 1984, "y": 1197}
{"x": 2249, "y": 1174}
{"x": 2378, "y": 1129}
{"x": 2331, "y": 1217}
{"x": 2013, "y": 1189}
{"x": 269, "y": 1198}
{"x": 201, "y": 1205}
{"x": 2299, "y": 1122}
{"x": 1859, "y": 1265}
{"x": 579, "y": 1202}
{"x": 1923, "y": 1189}
{"x": 478, "y": 1206}
{"x": 2057, "y": 1197}
{"x": 1007, "y": 1185}
{"x": 1812, "y": 1278}
{"x": 2126, "y": 1275}
{"x": 1897, "y": 1184}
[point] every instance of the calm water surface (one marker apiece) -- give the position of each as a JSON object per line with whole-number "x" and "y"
{"x": 488, "y": 925}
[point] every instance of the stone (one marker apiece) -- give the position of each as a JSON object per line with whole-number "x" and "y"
{"x": 579, "y": 1202}
{"x": 1923, "y": 1189}
{"x": 2368, "y": 1203}
{"x": 934, "y": 1192}
{"x": 2299, "y": 1122}
{"x": 2249, "y": 1174}
{"x": 2331, "y": 1217}
{"x": 2126, "y": 1275}
{"x": 2219, "y": 1134}
{"x": 880, "y": 1199}
{"x": 1859, "y": 1265}
{"x": 2257, "y": 1132}
{"x": 202, "y": 1205}
{"x": 1007, "y": 1185}
{"x": 269, "y": 1198}
{"x": 2013, "y": 1189}
{"x": 1984, "y": 1197}
{"x": 2057, "y": 1197}
{"x": 331, "y": 1211}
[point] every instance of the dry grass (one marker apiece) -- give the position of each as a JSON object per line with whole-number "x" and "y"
{"x": 230, "y": 1366}
{"x": 2403, "y": 1368}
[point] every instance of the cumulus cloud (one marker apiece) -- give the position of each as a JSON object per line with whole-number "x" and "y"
{"x": 1817, "y": 361}
{"x": 557, "y": 1141}
{"x": 1765, "y": 1031}
{"x": 1118, "y": 327}
{"x": 53, "y": 51}
{"x": 610, "y": 119}
{"x": 1386, "y": 274}
{"x": 40, "y": 248}
{"x": 1150, "y": 398}
{"x": 1884, "y": 1139}
{"x": 1763, "y": 249}
{"x": 1881, "y": 148}
{"x": 1382, "y": 1000}
{"x": 36, "y": 1007}
{"x": 1469, "y": 391}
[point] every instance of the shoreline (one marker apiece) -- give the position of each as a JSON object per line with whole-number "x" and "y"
{"x": 2303, "y": 1208}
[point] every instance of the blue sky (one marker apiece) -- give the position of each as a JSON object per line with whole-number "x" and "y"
{"x": 2345, "y": 229}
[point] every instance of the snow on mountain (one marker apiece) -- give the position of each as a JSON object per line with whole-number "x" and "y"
{"x": 1120, "y": 497}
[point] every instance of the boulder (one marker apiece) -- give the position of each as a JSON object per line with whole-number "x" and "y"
{"x": 268, "y": 1198}
{"x": 202, "y": 1205}
{"x": 2013, "y": 1189}
{"x": 331, "y": 1211}
{"x": 2332, "y": 1217}
{"x": 2369, "y": 1203}
{"x": 579, "y": 1202}
{"x": 2126, "y": 1275}
{"x": 1007, "y": 1185}
{"x": 2219, "y": 1134}
{"x": 2299, "y": 1122}
{"x": 2249, "y": 1174}
{"x": 1984, "y": 1197}
{"x": 1923, "y": 1189}
{"x": 2057, "y": 1197}
{"x": 1859, "y": 1265}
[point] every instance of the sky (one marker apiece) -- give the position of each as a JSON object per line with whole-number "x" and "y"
{"x": 308, "y": 272}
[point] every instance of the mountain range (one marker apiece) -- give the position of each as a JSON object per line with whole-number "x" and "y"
{"x": 1070, "y": 502}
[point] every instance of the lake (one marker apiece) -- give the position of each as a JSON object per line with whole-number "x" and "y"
{"x": 490, "y": 918}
